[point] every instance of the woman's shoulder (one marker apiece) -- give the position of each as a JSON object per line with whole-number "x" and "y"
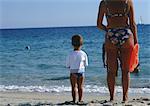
{"x": 103, "y": 2}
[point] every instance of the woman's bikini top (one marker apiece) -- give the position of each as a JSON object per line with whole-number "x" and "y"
{"x": 110, "y": 15}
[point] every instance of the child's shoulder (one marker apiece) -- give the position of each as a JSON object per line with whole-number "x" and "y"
{"x": 78, "y": 52}
{"x": 83, "y": 52}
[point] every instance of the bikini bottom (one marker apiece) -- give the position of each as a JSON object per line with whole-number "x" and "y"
{"x": 118, "y": 36}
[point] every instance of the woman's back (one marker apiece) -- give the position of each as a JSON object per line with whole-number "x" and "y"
{"x": 116, "y": 12}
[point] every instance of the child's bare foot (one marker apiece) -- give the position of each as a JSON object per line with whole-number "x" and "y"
{"x": 81, "y": 103}
{"x": 111, "y": 99}
{"x": 72, "y": 102}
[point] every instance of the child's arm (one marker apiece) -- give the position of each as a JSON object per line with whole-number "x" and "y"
{"x": 86, "y": 60}
{"x": 68, "y": 62}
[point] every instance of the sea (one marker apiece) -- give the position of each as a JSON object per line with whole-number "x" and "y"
{"x": 34, "y": 59}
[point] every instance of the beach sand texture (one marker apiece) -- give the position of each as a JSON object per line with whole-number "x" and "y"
{"x": 57, "y": 99}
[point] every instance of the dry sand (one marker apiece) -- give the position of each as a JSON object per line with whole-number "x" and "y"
{"x": 54, "y": 99}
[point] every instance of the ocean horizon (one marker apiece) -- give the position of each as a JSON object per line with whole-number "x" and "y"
{"x": 46, "y": 27}
{"x": 33, "y": 60}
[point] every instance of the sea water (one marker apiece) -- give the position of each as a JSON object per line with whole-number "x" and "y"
{"x": 33, "y": 60}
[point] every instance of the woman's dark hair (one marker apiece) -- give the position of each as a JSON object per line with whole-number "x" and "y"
{"x": 77, "y": 40}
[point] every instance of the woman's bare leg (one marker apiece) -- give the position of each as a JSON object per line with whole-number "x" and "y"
{"x": 80, "y": 87}
{"x": 73, "y": 81}
{"x": 125, "y": 53}
{"x": 112, "y": 66}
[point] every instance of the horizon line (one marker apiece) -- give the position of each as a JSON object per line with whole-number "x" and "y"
{"x": 47, "y": 27}
{"x": 54, "y": 27}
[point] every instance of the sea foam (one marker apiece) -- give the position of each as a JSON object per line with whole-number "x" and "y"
{"x": 59, "y": 89}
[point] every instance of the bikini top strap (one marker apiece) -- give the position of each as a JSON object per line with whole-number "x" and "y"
{"x": 107, "y": 9}
{"x": 126, "y": 10}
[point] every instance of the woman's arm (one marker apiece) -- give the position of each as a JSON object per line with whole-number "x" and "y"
{"x": 132, "y": 22}
{"x": 101, "y": 13}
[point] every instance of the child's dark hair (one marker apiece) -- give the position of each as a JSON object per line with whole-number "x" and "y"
{"x": 77, "y": 40}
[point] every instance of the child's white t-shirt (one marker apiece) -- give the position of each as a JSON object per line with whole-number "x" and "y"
{"x": 77, "y": 61}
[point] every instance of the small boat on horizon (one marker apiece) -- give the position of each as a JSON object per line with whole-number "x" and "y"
{"x": 140, "y": 22}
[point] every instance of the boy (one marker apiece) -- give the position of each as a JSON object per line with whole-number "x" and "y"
{"x": 76, "y": 62}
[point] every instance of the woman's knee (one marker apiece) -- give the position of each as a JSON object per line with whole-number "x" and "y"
{"x": 111, "y": 73}
{"x": 125, "y": 74}
{"x": 125, "y": 69}
{"x": 112, "y": 67}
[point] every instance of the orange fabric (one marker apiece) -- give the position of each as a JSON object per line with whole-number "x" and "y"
{"x": 134, "y": 60}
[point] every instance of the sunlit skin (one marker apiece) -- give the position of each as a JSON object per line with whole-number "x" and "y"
{"x": 116, "y": 6}
{"x": 77, "y": 83}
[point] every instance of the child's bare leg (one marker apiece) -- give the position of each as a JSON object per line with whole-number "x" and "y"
{"x": 80, "y": 87}
{"x": 73, "y": 80}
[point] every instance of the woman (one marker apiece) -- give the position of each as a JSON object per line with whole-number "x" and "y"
{"x": 121, "y": 35}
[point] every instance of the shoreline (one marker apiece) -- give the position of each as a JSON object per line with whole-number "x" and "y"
{"x": 61, "y": 88}
{"x": 35, "y": 98}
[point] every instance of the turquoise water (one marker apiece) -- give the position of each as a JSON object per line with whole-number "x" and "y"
{"x": 42, "y": 66}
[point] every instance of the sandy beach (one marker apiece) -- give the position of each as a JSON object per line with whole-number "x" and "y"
{"x": 54, "y": 99}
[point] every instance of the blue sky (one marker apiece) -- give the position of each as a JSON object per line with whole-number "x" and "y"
{"x": 57, "y": 13}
